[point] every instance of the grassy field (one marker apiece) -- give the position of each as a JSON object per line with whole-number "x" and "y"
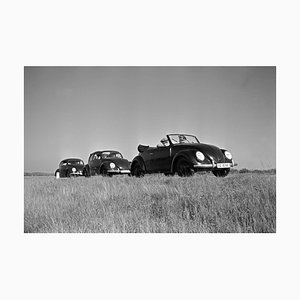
{"x": 155, "y": 203}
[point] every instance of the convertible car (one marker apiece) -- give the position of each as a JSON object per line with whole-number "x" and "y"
{"x": 106, "y": 163}
{"x": 182, "y": 154}
{"x": 70, "y": 167}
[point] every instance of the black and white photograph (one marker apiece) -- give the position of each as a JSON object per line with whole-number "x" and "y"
{"x": 150, "y": 149}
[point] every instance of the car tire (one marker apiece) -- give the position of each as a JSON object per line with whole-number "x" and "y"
{"x": 183, "y": 168}
{"x": 86, "y": 171}
{"x": 221, "y": 173}
{"x": 168, "y": 174}
{"x": 57, "y": 174}
{"x": 138, "y": 170}
{"x": 104, "y": 173}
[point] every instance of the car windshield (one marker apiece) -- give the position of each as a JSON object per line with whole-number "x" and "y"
{"x": 183, "y": 138}
{"x": 75, "y": 162}
{"x": 111, "y": 154}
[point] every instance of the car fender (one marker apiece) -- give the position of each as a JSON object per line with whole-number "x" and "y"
{"x": 138, "y": 159}
{"x": 226, "y": 159}
{"x": 223, "y": 151}
{"x": 188, "y": 154}
{"x": 105, "y": 164}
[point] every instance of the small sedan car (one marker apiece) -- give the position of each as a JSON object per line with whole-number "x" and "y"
{"x": 70, "y": 167}
{"x": 182, "y": 154}
{"x": 106, "y": 163}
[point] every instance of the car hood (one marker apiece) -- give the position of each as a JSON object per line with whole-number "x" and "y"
{"x": 121, "y": 163}
{"x": 208, "y": 150}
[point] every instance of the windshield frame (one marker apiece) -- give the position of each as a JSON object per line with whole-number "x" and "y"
{"x": 169, "y": 136}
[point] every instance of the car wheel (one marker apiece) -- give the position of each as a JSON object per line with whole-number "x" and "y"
{"x": 183, "y": 168}
{"x": 221, "y": 173}
{"x": 57, "y": 174}
{"x": 138, "y": 170}
{"x": 86, "y": 172}
{"x": 104, "y": 172}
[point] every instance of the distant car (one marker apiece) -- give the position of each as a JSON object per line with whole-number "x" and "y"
{"x": 182, "y": 154}
{"x": 70, "y": 167}
{"x": 107, "y": 163}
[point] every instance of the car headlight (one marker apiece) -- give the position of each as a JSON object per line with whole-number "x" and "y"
{"x": 112, "y": 165}
{"x": 74, "y": 169}
{"x": 200, "y": 156}
{"x": 228, "y": 154}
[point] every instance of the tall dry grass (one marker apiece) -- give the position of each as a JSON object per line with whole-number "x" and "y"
{"x": 155, "y": 203}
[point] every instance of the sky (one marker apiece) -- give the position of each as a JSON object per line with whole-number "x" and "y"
{"x": 74, "y": 111}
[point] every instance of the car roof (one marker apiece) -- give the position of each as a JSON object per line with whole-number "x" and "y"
{"x": 180, "y": 134}
{"x": 105, "y": 151}
{"x": 74, "y": 158}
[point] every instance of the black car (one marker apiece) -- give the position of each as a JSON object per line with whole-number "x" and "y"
{"x": 70, "y": 167}
{"x": 107, "y": 163}
{"x": 182, "y": 154}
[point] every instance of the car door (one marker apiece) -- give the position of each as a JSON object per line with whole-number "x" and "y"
{"x": 92, "y": 164}
{"x": 147, "y": 157}
{"x": 161, "y": 159}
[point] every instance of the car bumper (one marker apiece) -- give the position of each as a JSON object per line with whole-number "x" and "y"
{"x": 214, "y": 166}
{"x": 76, "y": 174}
{"x": 118, "y": 171}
